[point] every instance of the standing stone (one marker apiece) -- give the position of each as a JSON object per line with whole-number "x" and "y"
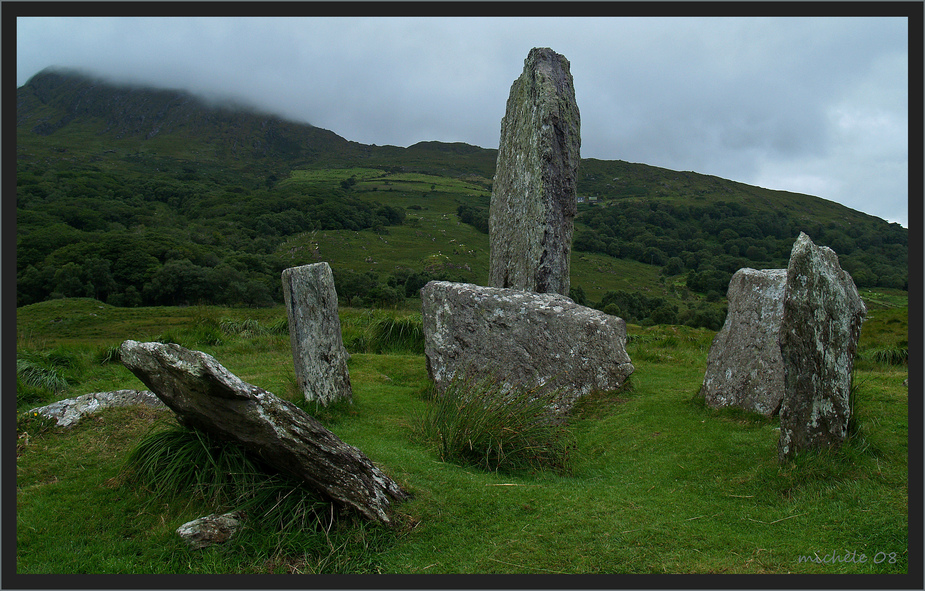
{"x": 534, "y": 195}
{"x": 744, "y": 367}
{"x": 818, "y": 338}
{"x": 522, "y": 339}
{"x": 318, "y": 351}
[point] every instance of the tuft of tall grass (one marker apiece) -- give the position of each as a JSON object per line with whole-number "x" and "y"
{"x": 110, "y": 354}
{"x": 397, "y": 335}
{"x": 895, "y": 355}
{"x": 39, "y": 372}
{"x": 484, "y": 423}
{"x": 179, "y": 462}
{"x": 245, "y": 328}
{"x": 386, "y": 335}
{"x": 279, "y": 326}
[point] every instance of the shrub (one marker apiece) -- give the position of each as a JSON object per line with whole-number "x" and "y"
{"x": 481, "y": 422}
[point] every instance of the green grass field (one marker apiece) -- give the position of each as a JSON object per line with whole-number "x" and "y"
{"x": 659, "y": 483}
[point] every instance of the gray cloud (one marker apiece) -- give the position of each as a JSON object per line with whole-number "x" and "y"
{"x": 815, "y": 105}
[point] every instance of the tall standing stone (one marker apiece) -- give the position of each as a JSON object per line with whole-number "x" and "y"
{"x": 744, "y": 366}
{"x": 819, "y": 334}
{"x": 534, "y": 195}
{"x": 318, "y": 351}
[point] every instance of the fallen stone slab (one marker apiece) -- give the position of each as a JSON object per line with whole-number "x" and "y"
{"x": 318, "y": 351}
{"x": 819, "y": 332}
{"x": 206, "y": 396}
{"x": 522, "y": 339}
{"x": 67, "y": 412}
{"x": 534, "y": 197}
{"x": 209, "y": 530}
{"x": 744, "y": 366}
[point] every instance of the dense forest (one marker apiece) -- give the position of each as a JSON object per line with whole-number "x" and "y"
{"x": 186, "y": 203}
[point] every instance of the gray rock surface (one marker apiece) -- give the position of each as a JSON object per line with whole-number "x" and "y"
{"x": 209, "y": 530}
{"x": 534, "y": 194}
{"x": 68, "y": 412}
{"x": 318, "y": 352}
{"x": 206, "y": 396}
{"x": 744, "y": 367}
{"x": 819, "y": 333}
{"x": 522, "y": 338}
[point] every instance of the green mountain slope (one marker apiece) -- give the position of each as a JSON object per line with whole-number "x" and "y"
{"x": 140, "y": 196}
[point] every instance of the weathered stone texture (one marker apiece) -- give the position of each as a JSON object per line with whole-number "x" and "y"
{"x": 318, "y": 352}
{"x": 209, "y": 530}
{"x": 819, "y": 333}
{"x": 534, "y": 195}
{"x": 206, "y": 396}
{"x": 522, "y": 338}
{"x": 68, "y": 412}
{"x": 744, "y": 366}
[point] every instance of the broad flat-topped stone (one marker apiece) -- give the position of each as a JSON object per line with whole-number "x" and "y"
{"x": 522, "y": 338}
{"x": 819, "y": 334}
{"x": 206, "y": 396}
{"x": 318, "y": 351}
{"x": 534, "y": 193}
{"x": 744, "y": 367}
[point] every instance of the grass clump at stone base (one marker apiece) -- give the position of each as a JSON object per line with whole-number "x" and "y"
{"x": 484, "y": 423}
{"x": 179, "y": 462}
{"x": 283, "y": 519}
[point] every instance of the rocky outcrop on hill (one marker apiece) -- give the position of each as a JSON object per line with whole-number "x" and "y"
{"x": 534, "y": 195}
{"x": 522, "y": 338}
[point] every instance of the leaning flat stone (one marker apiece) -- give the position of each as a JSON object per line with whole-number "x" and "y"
{"x": 534, "y": 192}
{"x": 744, "y": 367}
{"x": 819, "y": 334}
{"x": 68, "y": 412}
{"x": 206, "y": 396}
{"x": 318, "y": 352}
{"x": 523, "y": 339}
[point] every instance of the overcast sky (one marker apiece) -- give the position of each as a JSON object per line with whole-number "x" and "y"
{"x": 809, "y": 105}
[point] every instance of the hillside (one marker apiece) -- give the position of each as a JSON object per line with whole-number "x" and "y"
{"x": 140, "y": 196}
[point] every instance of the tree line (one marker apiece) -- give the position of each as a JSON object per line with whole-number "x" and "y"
{"x": 708, "y": 243}
{"x": 151, "y": 240}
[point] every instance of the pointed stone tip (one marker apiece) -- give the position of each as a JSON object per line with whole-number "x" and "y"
{"x": 538, "y": 54}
